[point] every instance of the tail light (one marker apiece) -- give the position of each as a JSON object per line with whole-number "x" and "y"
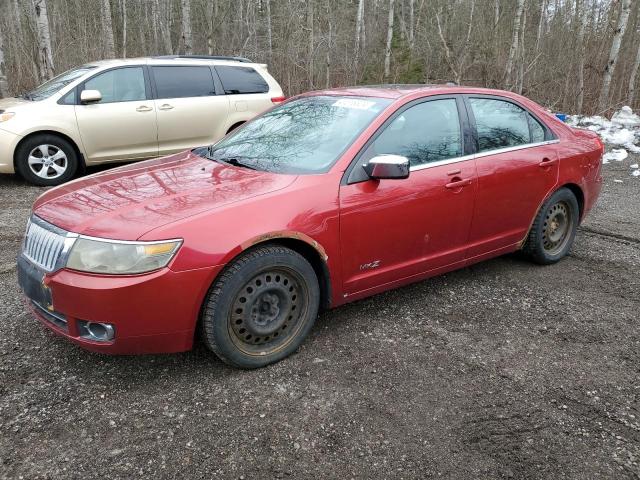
{"x": 277, "y": 100}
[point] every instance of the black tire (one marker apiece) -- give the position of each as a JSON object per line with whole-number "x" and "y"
{"x": 51, "y": 172}
{"x": 261, "y": 307}
{"x": 554, "y": 228}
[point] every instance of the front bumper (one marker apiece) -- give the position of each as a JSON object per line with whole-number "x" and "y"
{"x": 152, "y": 313}
{"x": 8, "y": 143}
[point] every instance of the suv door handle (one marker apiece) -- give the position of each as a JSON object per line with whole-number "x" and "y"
{"x": 546, "y": 162}
{"x": 458, "y": 184}
{"x": 143, "y": 108}
{"x": 165, "y": 106}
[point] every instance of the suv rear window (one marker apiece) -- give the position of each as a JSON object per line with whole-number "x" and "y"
{"x": 183, "y": 81}
{"x": 241, "y": 80}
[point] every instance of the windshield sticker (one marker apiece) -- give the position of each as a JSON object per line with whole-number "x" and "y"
{"x": 355, "y": 103}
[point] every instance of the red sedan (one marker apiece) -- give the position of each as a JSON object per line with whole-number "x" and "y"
{"x": 330, "y": 197}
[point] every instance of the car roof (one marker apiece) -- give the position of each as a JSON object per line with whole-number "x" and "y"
{"x": 178, "y": 60}
{"x": 397, "y": 91}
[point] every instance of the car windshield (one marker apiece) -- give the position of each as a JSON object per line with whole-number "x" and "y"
{"x": 55, "y": 84}
{"x": 303, "y": 136}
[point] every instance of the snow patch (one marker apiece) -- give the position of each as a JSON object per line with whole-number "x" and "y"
{"x": 617, "y": 154}
{"x": 622, "y": 131}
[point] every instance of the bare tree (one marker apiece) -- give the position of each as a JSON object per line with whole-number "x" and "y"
{"x": 187, "y": 39}
{"x": 4, "y": 88}
{"x": 45, "y": 55}
{"x": 625, "y": 8}
{"x": 359, "y": 33}
{"x": 123, "y": 8}
{"x": 514, "y": 43}
{"x": 581, "y": 53}
{"x": 107, "y": 28}
{"x": 387, "y": 51}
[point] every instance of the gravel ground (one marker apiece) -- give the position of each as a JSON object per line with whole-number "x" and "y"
{"x": 500, "y": 370}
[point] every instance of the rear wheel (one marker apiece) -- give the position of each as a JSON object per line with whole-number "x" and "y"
{"x": 554, "y": 228}
{"x": 261, "y": 307}
{"x": 46, "y": 160}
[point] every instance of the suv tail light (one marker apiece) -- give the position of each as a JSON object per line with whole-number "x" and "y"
{"x": 277, "y": 100}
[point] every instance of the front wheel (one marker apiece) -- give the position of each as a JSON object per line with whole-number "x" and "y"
{"x": 554, "y": 228}
{"x": 261, "y": 307}
{"x": 46, "y": 160}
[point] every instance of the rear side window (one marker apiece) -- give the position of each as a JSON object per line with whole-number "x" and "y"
{"x": 537, "y": 130}
{"x": 119, "y": 85}
{"x": 241, "y": 80}
{"x": 183, "y": 81}
{"x": 500, "y": 124}
{"x": 425, "y": 133}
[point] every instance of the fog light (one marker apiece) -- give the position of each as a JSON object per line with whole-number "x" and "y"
{"x": 98, "y": 332}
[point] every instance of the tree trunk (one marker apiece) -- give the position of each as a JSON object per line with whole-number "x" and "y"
{"x": 107, "y": 29}
{"x": 387, "y": 51}
{"x": 187, "y": 40}
{"x": 543, "y": 13}
{"x": 4, "y": 88}
{"x": 269, "y": 31}
{"x": 521, "y": 68}
{"x": 359, "y": 30}
{"x": 631, "y": 93}
{"x": 581, "y": 51}
{"x": 623, "y": 19}
{"x": 45, "y": 56}
{"x": 514, "y": 44}
{"x": 311, "y": 40}
{"x": 124, "y": 28}
{"x": 411, "y": 26}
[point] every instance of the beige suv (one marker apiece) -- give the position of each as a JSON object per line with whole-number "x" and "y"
{"x": 124, "y": 110}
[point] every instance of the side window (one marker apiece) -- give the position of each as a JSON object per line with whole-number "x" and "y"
{"x": 241, "y": 80}
{"x": 69, "y": 98}
{"x": 500, "y": 124}
{"x": 427, "y": 132}
{"x": 181, "y": 82}
{"x": 119, "y": 85}
{"x": 537, "y": 131}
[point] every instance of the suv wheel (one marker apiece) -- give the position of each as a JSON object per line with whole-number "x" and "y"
{"x": 261, "y": 307}
{"x": 46, "y": 160}
{"x": 554, "y": 228}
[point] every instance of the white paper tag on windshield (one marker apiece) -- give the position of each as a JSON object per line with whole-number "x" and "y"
{"x": 356, "y": 103}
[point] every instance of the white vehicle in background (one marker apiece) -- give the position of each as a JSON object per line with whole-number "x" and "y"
{"x": 125, "y": 110}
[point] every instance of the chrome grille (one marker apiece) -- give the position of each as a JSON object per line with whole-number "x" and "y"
{"x": 43, "y": 244}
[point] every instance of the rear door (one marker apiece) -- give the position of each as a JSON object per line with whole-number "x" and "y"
{"x": 517, "y": 166}
{"x": 247, "y": 91}
{"x": 123, "y": 124}
{"x": 191, "y": 112}
{"x": 396, "y": 229}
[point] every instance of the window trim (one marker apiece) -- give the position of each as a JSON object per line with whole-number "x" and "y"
{"x": 549, "y": 136}
{"x": 154, "y": 86}
{"x": 147, "y": 86}
{"x": 224, "y": 91}
{"x": 350, "y": 176}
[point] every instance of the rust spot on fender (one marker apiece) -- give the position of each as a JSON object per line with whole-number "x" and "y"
{"x": 287, "y": 234}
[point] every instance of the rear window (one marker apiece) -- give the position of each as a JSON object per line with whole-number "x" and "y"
{"x": 180, "y": 82}
{"x": 241, "y": 80}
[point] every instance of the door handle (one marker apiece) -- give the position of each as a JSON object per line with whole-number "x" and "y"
{"x": 458, "y": 184}
{"x": 143, "y": 108}
{"x": 165, "y": 106}
{"x": 546, "y": 162}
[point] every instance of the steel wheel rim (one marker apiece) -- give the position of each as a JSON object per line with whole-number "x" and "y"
{"x": 47, "y": 161}
{"x": 268, "y": 311}
{"x": 557, "y": 228}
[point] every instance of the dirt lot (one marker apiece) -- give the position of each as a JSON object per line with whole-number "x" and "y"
{"x": 503, "y": 369}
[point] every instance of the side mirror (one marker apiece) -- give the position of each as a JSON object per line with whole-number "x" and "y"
{"x": 90, "y": 96}
{"x": 387, "y": 167}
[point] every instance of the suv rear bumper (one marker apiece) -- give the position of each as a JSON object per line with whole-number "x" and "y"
{"x": 8, "y": 143}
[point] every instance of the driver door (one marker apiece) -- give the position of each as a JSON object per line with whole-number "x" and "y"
{"x": 392, "y": 230}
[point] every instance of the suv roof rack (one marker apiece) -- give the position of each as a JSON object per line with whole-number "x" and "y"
{"x": 206, "y": 57}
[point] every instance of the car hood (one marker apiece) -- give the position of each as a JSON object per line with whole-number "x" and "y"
{"x": 7, "y": 103}
{"x": 127, "y": 202}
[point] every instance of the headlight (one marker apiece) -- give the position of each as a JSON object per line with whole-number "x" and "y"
{"x": 115, "y": 257}
{"x": 4, "y": 116}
